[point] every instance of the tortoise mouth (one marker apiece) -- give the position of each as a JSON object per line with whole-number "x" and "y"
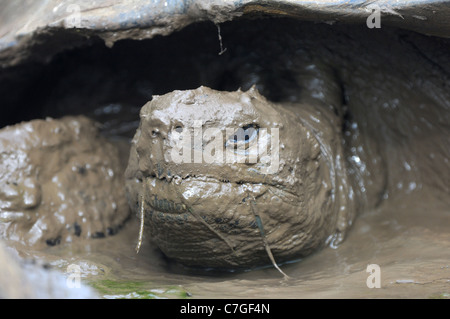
{"x": 204, "y": 195}
{"x": 186, "y": 196}
{"x": 167, "y": 206}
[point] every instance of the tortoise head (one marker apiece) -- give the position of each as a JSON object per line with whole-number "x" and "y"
{"x": 220, "y": 176}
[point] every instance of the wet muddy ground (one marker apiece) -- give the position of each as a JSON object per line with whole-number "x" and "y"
{"x": 409, "y": 241}
{"x": 407, "y": 235}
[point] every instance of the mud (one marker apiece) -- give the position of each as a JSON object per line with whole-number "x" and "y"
{"x": 62, "y": 182}
{"x": 409, "y": 246}
{"x": 392, "y": 86}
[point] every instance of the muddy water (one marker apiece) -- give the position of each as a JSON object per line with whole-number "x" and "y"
{"x": 398, "y": 113}
{"x": 408, "y": 239}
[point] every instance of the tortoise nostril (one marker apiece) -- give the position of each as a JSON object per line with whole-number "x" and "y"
{"x": 155, "y": 133}
{"x": 244, "y": 134}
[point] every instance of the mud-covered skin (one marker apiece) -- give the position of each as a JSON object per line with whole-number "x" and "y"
{"x": 61, "y": 182}
{"x": 303, "y": 205}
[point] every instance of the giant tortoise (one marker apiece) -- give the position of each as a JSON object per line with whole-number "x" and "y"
{"x": 337, "y": 97}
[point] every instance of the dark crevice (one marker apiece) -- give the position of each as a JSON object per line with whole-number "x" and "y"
{"x": 112, "y": 84}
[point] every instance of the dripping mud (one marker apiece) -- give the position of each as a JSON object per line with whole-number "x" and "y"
{"x": 393, "y": 86}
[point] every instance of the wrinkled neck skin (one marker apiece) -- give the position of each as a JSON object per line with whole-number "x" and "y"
{"x": 219, "y": 214}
